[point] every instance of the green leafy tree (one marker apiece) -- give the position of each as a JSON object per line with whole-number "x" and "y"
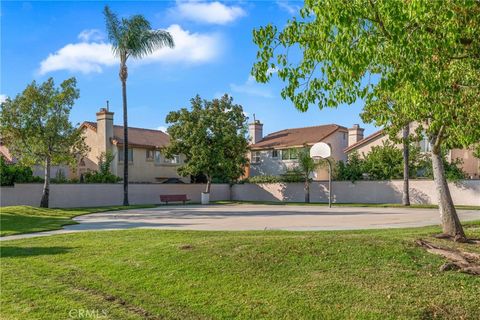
{"x": 132, "y": 37}
{"x": 411, "y": 61}
{"x": 104, "y": 174}
{"x": 306, "y": 166}
{"x": 384, "y": 162}
{"x": 351, "y": 170}
{"x": 211, "y": 136}
{"x": 11, "y": 173}
{"x": 35, "y": 127}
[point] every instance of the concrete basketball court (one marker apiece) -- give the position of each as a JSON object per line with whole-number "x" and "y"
{"x": 256, "y": 217}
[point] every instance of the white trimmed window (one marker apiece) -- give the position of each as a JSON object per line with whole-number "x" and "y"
{"x": 150, "y": 154}
{"x": 157, "y": 157}
{"x": 255, "y": 158}
{"x": 174, "y": 160}
{"x": 121, "y": 155}
{"x": 275, "y": 154}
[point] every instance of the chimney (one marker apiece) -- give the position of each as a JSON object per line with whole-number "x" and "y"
{"x": 355, "y": 134}
{"x": 104, "y": 130}
{"x": 255, "y": 131}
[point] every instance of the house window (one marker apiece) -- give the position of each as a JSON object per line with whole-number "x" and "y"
{"x": 425, "y": 145}
{"x": 121, "y": 155}
{"x": 149, "y": 154}
{"x": 289, "y": 154}
{"x": 174, "y": 160}
{"x": 274, "y": 154}
{"x": 255, "y": 157}
{"x": 157, "y": 157}
{"x": 344, "y": 136}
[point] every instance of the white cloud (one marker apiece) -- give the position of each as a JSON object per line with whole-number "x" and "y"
{"x": 79, "y": 57}
{"x": 288, "y": 6}
{"x": 88, "y": 57}
{"x": 91, "y": 35}
{"x": 189, "y": 47}
{"x": 252, "y": 88}
{"x": 208, "y": 12}
{"x": 3, "y": 98}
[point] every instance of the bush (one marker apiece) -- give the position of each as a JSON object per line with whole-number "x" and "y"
{"x": 352, "y": 170}
{"x": 15, "y": 173}
{"x": 293, "y": 175}
{"x": 263, "y": 179}
{"x": 103, "y": 175}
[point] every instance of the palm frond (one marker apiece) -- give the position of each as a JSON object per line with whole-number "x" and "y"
{"x": 152, "y": 40}
{"x": 133, "y": 36}
{"x": 114, "y": 29}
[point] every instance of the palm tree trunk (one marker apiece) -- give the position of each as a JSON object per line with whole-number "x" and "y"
{"x": 307, "y": 191}
{"x": 46, "y": 185}
{"x": 209, "y": 184}
{"x": 123, "y": 77}
{"x": 450, "y": 222}
{"x": 406, "y": 156}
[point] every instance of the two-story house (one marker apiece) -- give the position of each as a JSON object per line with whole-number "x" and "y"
{"x": 146, "y": 161}
{"x": 470, "y": 164}
{"x": 277, "y": 152}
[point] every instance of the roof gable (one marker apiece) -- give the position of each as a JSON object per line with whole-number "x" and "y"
{"x": 297, "y": 137}
{"x": 139, "y": 137}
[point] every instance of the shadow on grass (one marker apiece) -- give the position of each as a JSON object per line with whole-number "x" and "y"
{"x": 6, "y": 252}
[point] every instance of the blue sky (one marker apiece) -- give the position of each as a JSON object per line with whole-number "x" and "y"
{"x": 214, "y": 55}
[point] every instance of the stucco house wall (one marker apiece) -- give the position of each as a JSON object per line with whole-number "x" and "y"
{"x": 268, "y": 165}
{"x": 103, "y": 136}
{"x": 470, "y": 164}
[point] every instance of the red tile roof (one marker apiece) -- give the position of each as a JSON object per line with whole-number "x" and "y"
{"x": 139, "y": 137}
{"x": 296, "y": 137}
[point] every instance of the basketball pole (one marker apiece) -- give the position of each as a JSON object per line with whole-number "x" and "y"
{"x": 329, "y": 183}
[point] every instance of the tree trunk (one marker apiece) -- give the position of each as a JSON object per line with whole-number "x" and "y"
{"x": 123, "y": 77}
{"x": 46, "y": 185}
{"x": 209, "y": 184}
{"x": 307, "y": 191}
{"x": 450, "y": 223}
{"x": 406, "y": 156}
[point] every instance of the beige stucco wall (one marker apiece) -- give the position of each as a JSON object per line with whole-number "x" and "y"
{"x": 269, "y": 166}
{"x": 470, "y": 165}
{"x": 143, "y": 170}
{"x": 466, "y": 192}
{"x": 91, "y": 195}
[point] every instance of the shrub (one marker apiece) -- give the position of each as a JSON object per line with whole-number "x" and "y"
{"x": 15, "y": 173}
{"x": 352, "y": 170}
{"x": 103, "y": 175}
{"x": 263, "y": 179}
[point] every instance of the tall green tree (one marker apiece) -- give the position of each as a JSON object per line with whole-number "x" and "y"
{"x": 424, "y": 55}
{"x": 212, "y": 136}
{"x": 132, "y": 37}
{"x": 35, "y": 127}
{"x": 307, "y": 166}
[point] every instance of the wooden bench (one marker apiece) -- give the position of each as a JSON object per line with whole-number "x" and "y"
{"x": 173, "y": 198}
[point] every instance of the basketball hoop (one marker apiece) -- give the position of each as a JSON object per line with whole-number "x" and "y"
{"x": 322, "y": 151}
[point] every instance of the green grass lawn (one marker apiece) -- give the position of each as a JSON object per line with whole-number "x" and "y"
{"x": 153, "y": 274}
{"x": 371, "y": 205}
{"x": 25, "y": 219}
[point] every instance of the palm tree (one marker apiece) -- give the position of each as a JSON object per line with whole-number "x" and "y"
{"x": 406, "y": 162}
{"x": 132, "y": 37}
{"x": 306, "y": 165}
